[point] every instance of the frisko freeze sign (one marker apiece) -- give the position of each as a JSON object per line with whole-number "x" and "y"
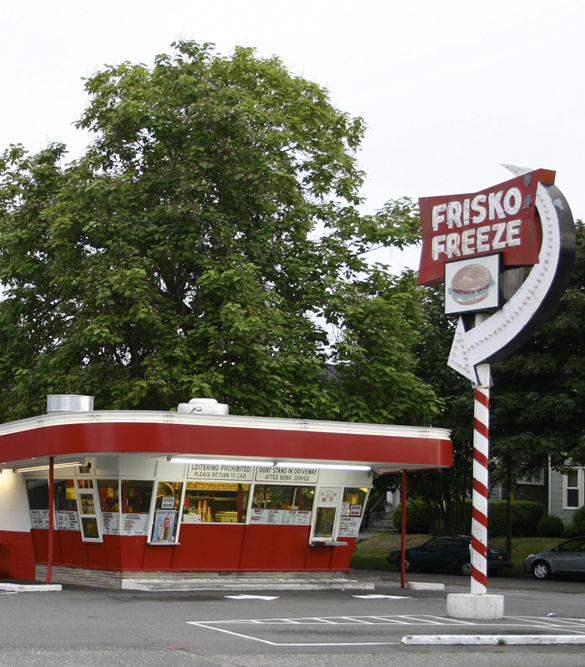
{"x": 470, "y": 240}
{"x": 502, "y": 219}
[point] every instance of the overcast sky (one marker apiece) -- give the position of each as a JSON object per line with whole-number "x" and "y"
{"x": 449, "y": 90}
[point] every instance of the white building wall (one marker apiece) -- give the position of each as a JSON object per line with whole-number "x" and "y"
{"x": 14, "y": 514}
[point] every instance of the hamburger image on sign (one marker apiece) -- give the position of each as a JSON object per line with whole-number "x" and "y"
{"x": 471, "y": 284}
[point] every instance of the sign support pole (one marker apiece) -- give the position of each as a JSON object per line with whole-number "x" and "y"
{"x": 479, "y": 517}
{"x": 525, "y": 222}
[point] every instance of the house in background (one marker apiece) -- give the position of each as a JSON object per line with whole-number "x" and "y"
{"x": 566, "y": 493}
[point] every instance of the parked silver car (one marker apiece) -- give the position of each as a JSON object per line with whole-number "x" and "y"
{"x": 567, "y": 558}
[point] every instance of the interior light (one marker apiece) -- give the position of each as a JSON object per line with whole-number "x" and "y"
{"x": 322, "y": 466}
{"x": 47, "y": 466}
{"x": 221, "y": 462}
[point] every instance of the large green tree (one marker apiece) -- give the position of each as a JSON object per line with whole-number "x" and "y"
{"x": 539, "y": 391}
{"x": 209, "y": 242}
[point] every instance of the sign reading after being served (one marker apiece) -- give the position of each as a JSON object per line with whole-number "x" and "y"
{"x": 501, "y": 219}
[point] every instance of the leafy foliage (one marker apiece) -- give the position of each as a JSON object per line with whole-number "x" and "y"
{"x": 577, "y": 525}
{"x": 538, "y": 402}
{"x": 550, "y": 525}
{"x": 207, "y": 243}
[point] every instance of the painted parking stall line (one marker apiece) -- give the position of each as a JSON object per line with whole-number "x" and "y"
{"x": 370, "y": 628}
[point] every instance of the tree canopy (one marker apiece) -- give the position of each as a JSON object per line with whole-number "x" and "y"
{"x": 209, "y": 242}
{"x": 539, "y": 391}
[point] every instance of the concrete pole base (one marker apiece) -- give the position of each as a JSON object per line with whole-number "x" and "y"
{"x": 479, "y": 607}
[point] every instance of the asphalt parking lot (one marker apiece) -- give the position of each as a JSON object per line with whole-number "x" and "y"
{"x": 337, "y": 627}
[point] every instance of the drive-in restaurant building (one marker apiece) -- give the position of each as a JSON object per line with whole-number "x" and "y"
{"x": 154, "y": 494}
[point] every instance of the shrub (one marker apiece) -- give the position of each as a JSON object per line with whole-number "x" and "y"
{"x": 525, "y": 517}
{"x": 577, "y": 525}
{"x": 550, "y": 526}
{"x": 419, "y": 517}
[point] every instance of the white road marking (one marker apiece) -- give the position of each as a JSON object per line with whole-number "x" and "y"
{"x": 374, "y": 596}
{"x": 251, "y": 597}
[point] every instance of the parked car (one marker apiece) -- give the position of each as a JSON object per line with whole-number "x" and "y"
{"x": 448, "y": 552}
{"x": 567, "y": 558}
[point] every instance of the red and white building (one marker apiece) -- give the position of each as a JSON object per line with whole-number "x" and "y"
{"x": 145, "y": 493}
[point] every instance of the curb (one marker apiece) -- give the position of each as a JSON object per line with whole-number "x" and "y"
{"x": 30, "y": 588}
{"x": 423, "y": 586}
{"x": 249, "y": 585}
{"x": 491, "y": 640}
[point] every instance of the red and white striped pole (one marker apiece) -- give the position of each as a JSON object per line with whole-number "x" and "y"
{"x": 479, "y": 516}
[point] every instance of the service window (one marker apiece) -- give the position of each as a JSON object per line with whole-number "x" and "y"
{"x": 217, "y": 502}
{"x": 65, "y": 503}
{"x": 324, "y": 522}
{"x": 109, "y": 494}
{"x": 38, "y": 500}
{"x": 327, "y": 505}
{"x": 353, "y": 505}
{"x": 66, "y": 514}
{"x": 88, "y": 504}
{"x": 165, "y": 524}
{"x": 279, "y": 504}
{"x": 136, "y": 497}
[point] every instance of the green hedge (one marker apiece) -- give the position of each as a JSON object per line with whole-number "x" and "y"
{"x": 420, "y": 517}
{"x": 525, "y": 517}
{"x": 577, "y": 525}
{"x": 550, "y": 526}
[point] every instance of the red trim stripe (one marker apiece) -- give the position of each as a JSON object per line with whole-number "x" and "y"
{"x": 482, "y": 459}
{"x": 480, "y": 577}
{"x": 482, "y": 398}
{"x": 479, "y": 517}
{"x": 481, "y": 428}
{"x": 480, "y": 488}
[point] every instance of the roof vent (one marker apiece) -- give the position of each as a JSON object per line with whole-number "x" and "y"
{"x": 204, "y": 406}
{"x": 69, "y": 403}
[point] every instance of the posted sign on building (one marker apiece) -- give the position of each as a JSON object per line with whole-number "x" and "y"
{"x": 501, "y": 219}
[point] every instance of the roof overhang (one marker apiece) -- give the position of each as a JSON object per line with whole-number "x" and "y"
{"x": 70, "y": 435}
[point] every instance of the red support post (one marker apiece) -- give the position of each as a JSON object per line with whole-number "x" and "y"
{"x": 51, "y": 522}
{"x": 403, "y": 532}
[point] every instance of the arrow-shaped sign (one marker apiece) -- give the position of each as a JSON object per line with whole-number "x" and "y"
{"x": 514, "y": 323}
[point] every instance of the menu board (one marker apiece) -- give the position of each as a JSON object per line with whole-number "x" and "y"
{"x": 220, "y": 471}
{"x": 295, "y": 475}
{"x": 39, "y": 518}
{"x": 67, "y": 520}
{"x": 111, "y": 523}
{"x": 349, "y": 526}
{"x": 280, "y": 517}
{"x": 134, "y": 524}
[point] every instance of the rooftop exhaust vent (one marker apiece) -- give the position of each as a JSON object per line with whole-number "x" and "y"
{"x": 204, "y": 406}
{"x": 69, "y": 403}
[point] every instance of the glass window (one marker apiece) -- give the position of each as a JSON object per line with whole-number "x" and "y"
{"x": 90, "y": 528}
{"x": 354, "y": 501}
{"x": 65, "y": 499}
{"x": 267, "y": 496}
{"x": 87, "y": 503}
{"x": 136, "y": 496}
{"x": 168, "y": 495}
{"x": 109, "y": 495}
{"x": 38, "y": 494}
{"x": 219, "y": 502}
{"x": 324, "y": 522}
{"x": 572, "y": 481}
